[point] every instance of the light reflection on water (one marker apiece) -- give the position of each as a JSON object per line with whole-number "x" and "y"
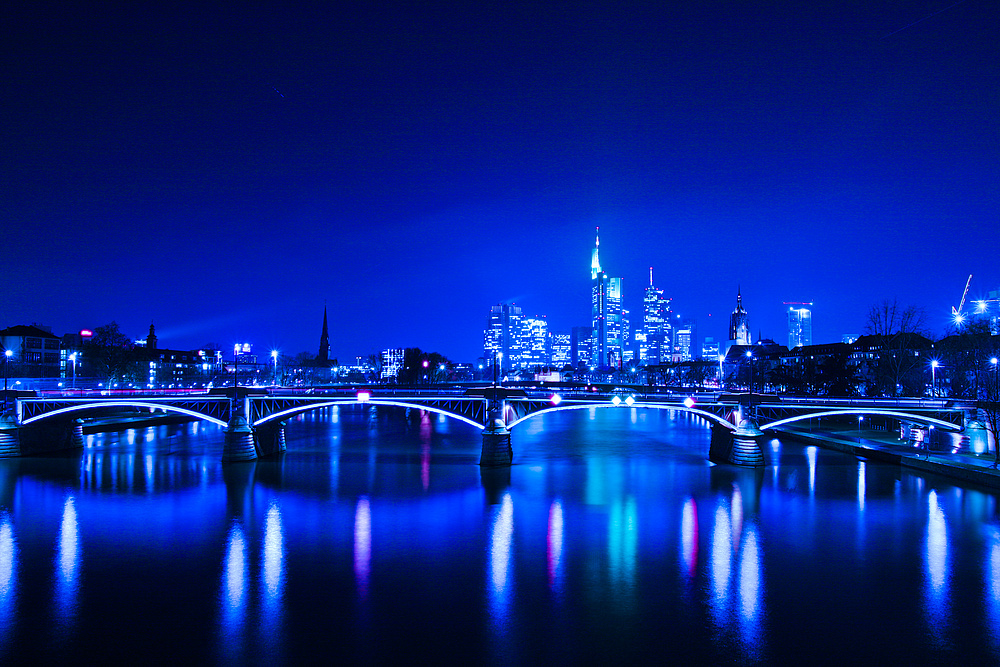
{"x": 611, "y": 538}
{"x": 67, "y": 567}
{"x": 8, "y": 576}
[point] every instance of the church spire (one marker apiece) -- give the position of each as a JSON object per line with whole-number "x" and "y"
{"x": 324, "y": 342}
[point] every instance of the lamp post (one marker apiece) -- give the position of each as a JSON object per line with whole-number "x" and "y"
{"x": 721, "y": 359}
{"x": 6, "y": 362}
{"x": 861, "y": 418}
{"x": 72, "y": 358}
{"x": 934, "y": 365}
{"x": 750, "y": 396}
{"x": 274, "y": 357}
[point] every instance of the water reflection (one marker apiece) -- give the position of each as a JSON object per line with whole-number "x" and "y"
{"x": 861, "y": 485}
{"x": 623, "y": 537}
{"x": 936, "y": 571}
{"x": 554, "y": 546}
{"x": 8, "y": 577}
{"x": 362, "y": 546}
{"x": 736, "y": 562}
{"x": 689, "y": 539}
{"x": 991, "y": 587}
{"x": 67, "y": 567}
{"x": 234, "y": 591}
{"x": 272, "y": 582}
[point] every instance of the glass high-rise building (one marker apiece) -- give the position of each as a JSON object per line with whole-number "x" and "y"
{"x": 535, "y": 342}
{"x": 562, "y": 347}
{"x": 800, "y": 327}
{"x": 606, "y": 313}
{"x": 502, "y": 337}
{"x": 656, "y": 327}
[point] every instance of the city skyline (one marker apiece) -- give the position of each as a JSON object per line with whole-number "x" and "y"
{"x": 227, "y": 177}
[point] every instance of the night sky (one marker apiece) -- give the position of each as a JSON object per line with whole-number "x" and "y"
{"x": 226, "y": 172}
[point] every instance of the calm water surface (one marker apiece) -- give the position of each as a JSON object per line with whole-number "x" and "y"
{"x": 377, "y": 538}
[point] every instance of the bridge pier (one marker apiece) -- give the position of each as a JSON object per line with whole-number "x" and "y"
{"x": 497, "y": 450}
{"x": 239, "y": 441}
{"x": 270, "y": 437}
{"x": 740, "y": 447}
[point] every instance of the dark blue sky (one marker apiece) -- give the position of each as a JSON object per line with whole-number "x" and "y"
{"x": 225, "y": 172}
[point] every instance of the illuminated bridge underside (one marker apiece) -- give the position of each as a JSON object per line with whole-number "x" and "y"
{"x": 473, "y": 410}
{"x": 521, "y": 409}
{"x": 905, "y": 416}
{"x": 470, "y": 410}
{"x": 213, "y": 409}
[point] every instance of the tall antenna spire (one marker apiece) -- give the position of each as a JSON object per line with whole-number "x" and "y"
{"x": 650, "y": 276}
{"x": 595, "y": 262}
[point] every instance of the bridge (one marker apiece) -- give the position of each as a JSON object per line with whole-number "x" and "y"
{"x": 254, "y": 421}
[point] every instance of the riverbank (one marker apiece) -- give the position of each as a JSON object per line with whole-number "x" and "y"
{"x": 884, "y": 446}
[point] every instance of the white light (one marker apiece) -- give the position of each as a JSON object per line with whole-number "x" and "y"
{"x": 615, "y": 400}
{"x": 688, "y": 402}
{"x": 556, "y": 399}
{"x": 10, "y": 352}
{"x": 363, "y": 396}
{"x": 629, "y": 401}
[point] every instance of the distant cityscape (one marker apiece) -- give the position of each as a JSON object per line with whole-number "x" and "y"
{"x": 660, "y": 350}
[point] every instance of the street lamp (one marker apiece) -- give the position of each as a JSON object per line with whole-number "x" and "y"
{"x": 72, "y": 358}
{"x": 6, "y": 362}
{"x": 750, "y": 397}
{"x": 721, "y": 359}
{"x": 861, "y": 418}
{"x": 274, "y": 357}
{"x": 934, "y": 365}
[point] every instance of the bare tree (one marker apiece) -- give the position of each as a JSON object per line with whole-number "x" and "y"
{"x": 900, "y": 335}
{"x": 375, "y": 363}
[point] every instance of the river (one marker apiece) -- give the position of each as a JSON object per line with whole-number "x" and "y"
{"x": 378, "y": 539}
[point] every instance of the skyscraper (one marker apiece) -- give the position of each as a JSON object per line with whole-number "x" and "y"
{"x": 739, "y": 324}
{"x": 656, "y": 326}
{"x": 800, "y": 327}
{"x": 502, "y": 336}
{"x": 535, "y": 342}
{"x": 606, "y": 313}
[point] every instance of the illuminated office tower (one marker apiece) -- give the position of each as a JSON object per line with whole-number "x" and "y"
{"x": 800, "y": 325}
{"x": 606, "y": 313}
{"x": 535, "y": 342}
{"x": 580, "y": 340}
{"x": 710, "y": 349}
{"x": 656, "y": 327}
{"x": 562, "y": 347}
{"x": 502, "y": 336}
{"x": 392, "y": 362}
{"x": 684, "y": 339}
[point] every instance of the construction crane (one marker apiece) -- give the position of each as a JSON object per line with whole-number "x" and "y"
{"x": 956, "y": 313}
